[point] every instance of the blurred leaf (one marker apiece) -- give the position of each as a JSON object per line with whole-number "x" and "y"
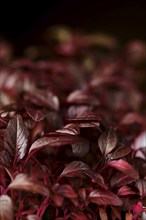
{"x": 58, "y": 200}
{"x": 26, "y": 183}
{"x": 43, "y": 98}
{"x": 78, "y": 216}
{"x": 129, "y": 201}
{"x": 103, "y": 214}
{"x": 37, "y": 114}
{"x": 116, "y": 212}
{"x": 128, "y": 216}
{"x": 141, "y": 185}
{"x": 138, "y": 208}
{"x": 32, "y": 217}
{"x": 80, "y": 149}
{"x": 6, "y": 208}
{"x": 82, "y": 193}
{"x": 81, "y": 97}
{"x": 65, "y": 190}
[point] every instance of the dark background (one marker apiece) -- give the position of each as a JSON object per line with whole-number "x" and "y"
{"x": 24, "y": 22}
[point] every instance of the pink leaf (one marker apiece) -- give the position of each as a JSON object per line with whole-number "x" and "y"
{"x": 138, "y": 208}
{"x": 26, "y": 183}
{"x": 6, "y": 208}
{"x": 125, "y": 190}
{"x": 16, "y": 138}
{"x": 124, "y": 167}
{"x": 107, "y": 142}
{"x": 104, "y": 197}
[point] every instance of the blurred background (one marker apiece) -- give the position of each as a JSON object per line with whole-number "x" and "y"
{"x": 24, "y": 23}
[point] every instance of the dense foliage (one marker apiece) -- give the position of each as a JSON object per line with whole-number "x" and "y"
{"x": 72, "y": 130}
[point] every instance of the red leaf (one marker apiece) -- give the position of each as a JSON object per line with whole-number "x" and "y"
{"x": 107, "y": 142}
{"x": 124, "y": 167}
{"x": 71, "y": 129}
{"x": 78, "y": 168}
{"x": 26, "y": 183}
{"x": 35, "y": 113}
{"x": 75, "y": 168}
{"x": 64, "y": 191}
{"x": 81, "y": 97}
{"x": 81, "y": 148}
{"x": 87, "y": 119}
{"x": 6, "y": 208}
{"x": 76, "y": 110}
{"x": 125, "y": 190}
{"x": 119, "y": 153}
{"x": 87, "y": 116}
{"x": 104, "y": 197}
{"x": 96, "y": 177}
{"x": 86, "y": 124}
{"x": 43, "y": 98}
{"x": 16, "y": 138}
{"x": 55, "y": 140}
{"x": 120, "y": 179}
